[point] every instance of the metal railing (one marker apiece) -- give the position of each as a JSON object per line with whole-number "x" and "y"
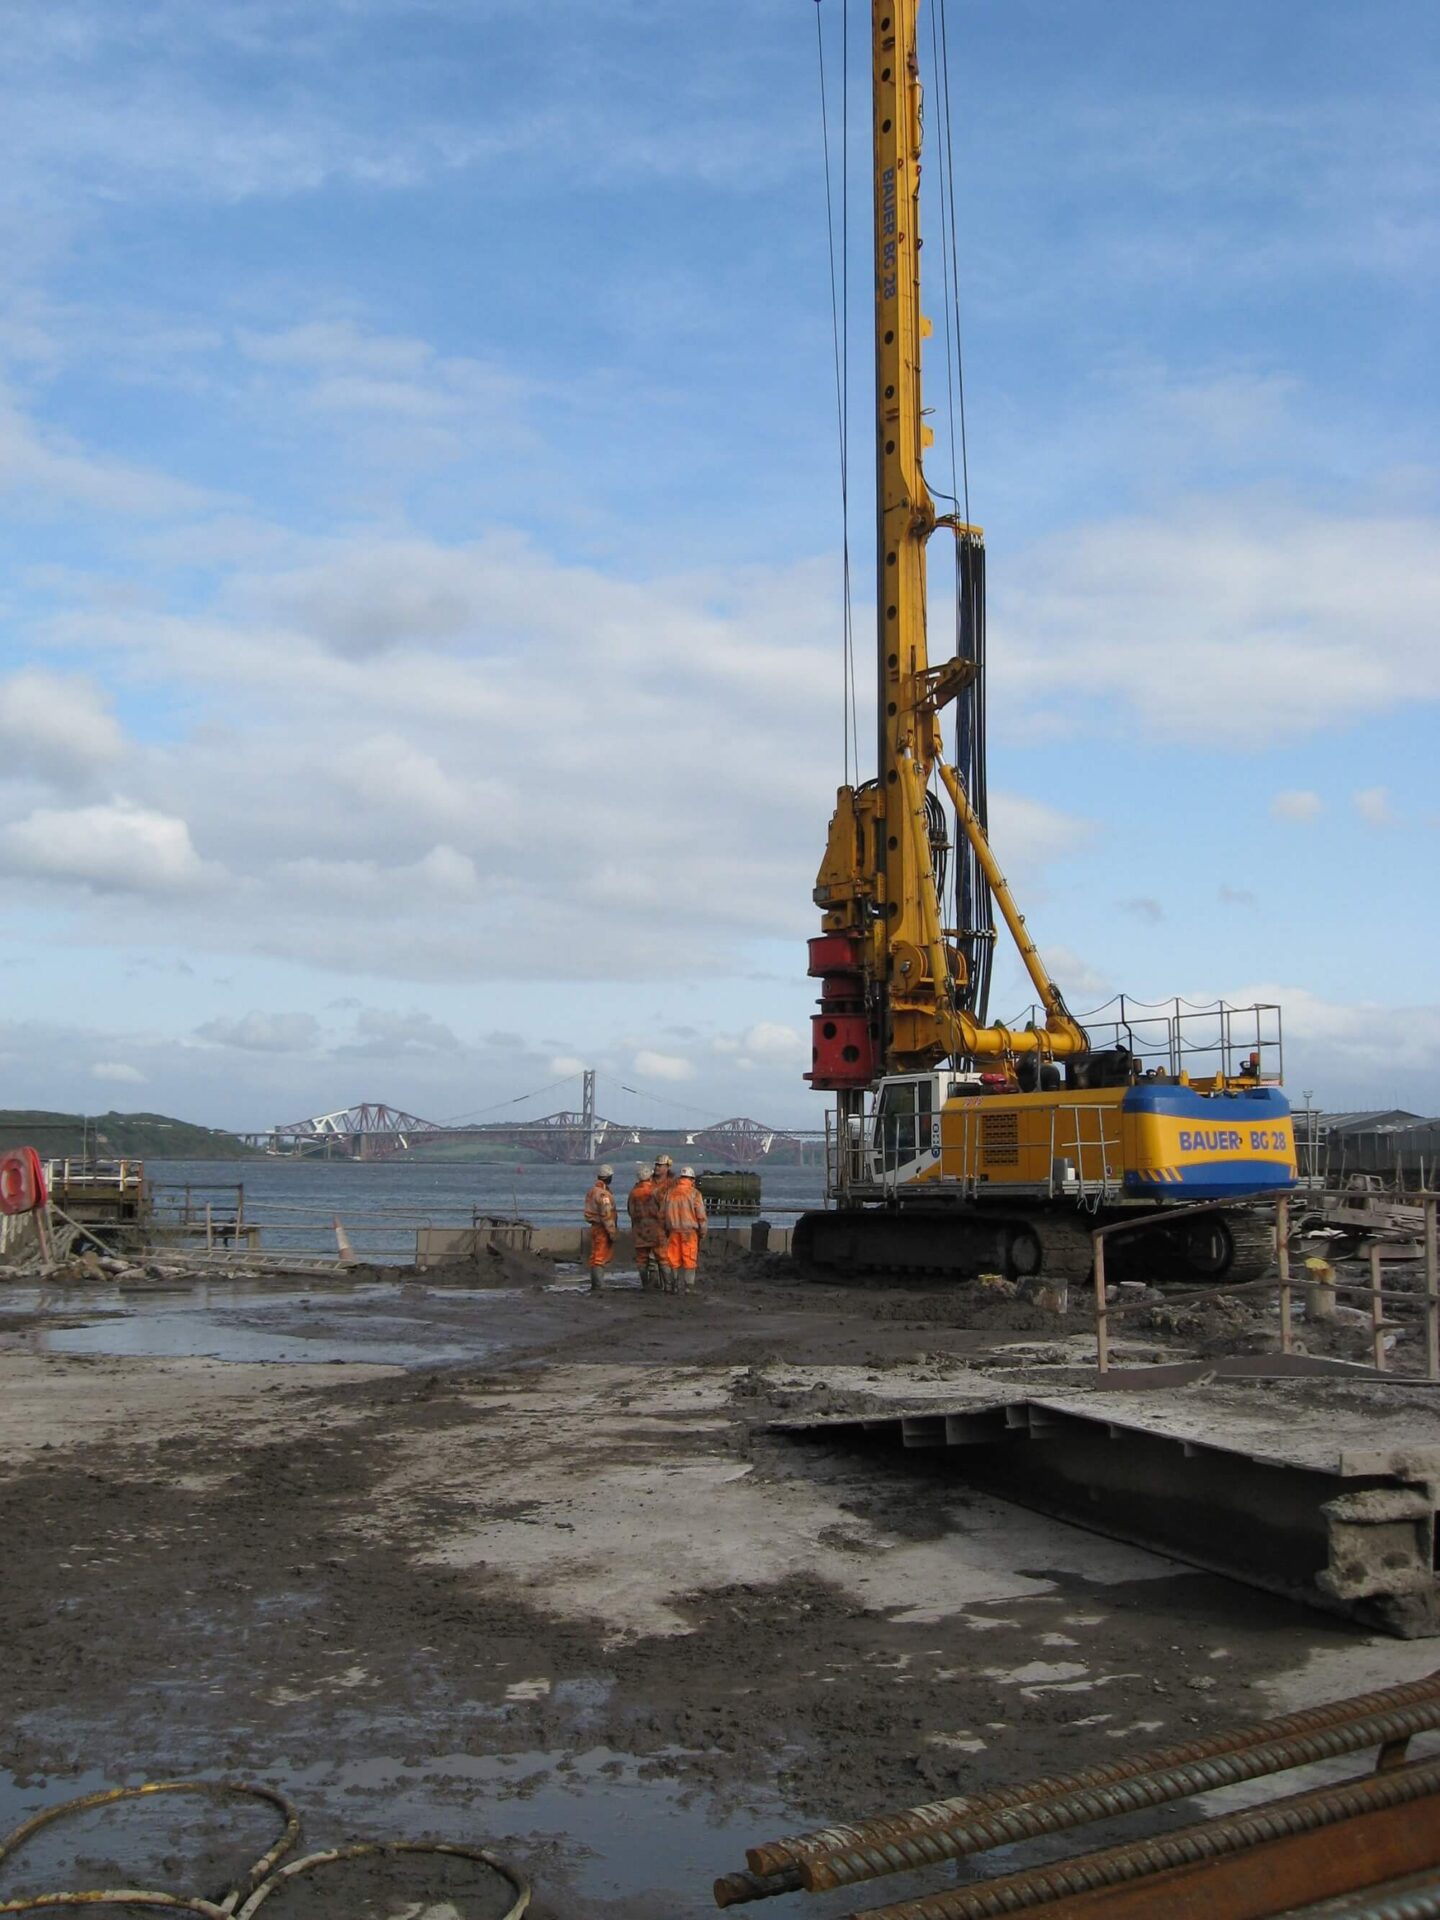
{"x": 1282, "y": 1285}
{"x": 108, "y": 1176}
{"x": 1176, "y": 1038}
{"x": 1077, "y": 1135}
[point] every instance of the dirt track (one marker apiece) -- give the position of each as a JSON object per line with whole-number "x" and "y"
{"x": 572, "y": 1600}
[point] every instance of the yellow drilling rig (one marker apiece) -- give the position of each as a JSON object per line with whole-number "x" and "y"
{"x": 957, "y": 1144}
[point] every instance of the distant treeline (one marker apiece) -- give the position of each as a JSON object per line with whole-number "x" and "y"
{"x": 117, "y": 1136}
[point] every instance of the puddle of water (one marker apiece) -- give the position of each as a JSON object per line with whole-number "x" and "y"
{"x": 592, "y": 1826}
{"x": 610, "y": 1825}
{"x": 175, "y": 1843}
{"x": 18, "y": 1802}
{"x": 597, "y": 1825}
{"x": 239, "y": 1323}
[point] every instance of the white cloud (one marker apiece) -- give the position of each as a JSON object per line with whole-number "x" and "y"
{"x": 771, "y": 1040}
{"x": 118, "y": 847}
{"x": 1275, "y": 634}
{"x": 1144, "y": 908}
{"x": 117, "y": 1073}
{"x": 324, "y": 345}
{"x": 1297, "y": 803}
{"x": 1082, "y": 984}
{"x": 1353, "y": 1052}
{"x": 1027, "y": 832}
{"x": 449, "y": 872}
{"x": 55, "y": 727}
{"x": 53, "y": 470}
{"x": 565, "y": 1064}
{"x": 414, "y": 779}
{"x": 139, "y": 107}
{"x": 480, "y": 736}
{"x": 256, "y": 1032}
{"x": 662, "y": 1066}
{"x": 382, "y": 1033}
{"x": 321, "y": 885}
{"x": 1373, "y": 806}
{"x": 361, "y": 378}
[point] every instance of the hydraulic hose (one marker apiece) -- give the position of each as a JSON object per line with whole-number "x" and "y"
{"x": 112, "y": 1796}
{"x": 365, "y": 1849}
{"x": 256, "y": 1884}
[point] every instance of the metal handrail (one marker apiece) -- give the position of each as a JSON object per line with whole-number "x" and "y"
{"x": 1105, "y": 1310}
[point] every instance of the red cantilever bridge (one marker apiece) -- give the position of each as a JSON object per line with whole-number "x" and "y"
{"x": 374, "y": 1131}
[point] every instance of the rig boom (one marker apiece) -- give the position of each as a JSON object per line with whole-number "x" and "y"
{"x": 898, "y": 991}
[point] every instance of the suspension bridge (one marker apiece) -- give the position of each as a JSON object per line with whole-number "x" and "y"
{"x": 375, "y": 1131}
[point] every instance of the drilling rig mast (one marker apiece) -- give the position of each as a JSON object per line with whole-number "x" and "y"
{"x": 904, "y": 1021}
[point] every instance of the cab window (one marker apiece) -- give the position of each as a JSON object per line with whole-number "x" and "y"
{"x": 902, "y": 1120}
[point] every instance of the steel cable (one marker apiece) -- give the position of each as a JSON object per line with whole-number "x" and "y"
{"x": 840, "y": 350}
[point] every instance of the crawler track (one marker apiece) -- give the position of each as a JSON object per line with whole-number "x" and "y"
{"x": 1230, "y": 1244}
{"x": 1043, "y": 1243}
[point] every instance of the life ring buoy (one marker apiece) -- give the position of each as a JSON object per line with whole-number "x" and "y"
{"x": 22, "y": 1181}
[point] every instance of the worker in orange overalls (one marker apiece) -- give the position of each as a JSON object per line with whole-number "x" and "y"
{"x": 646, "y": 1228}
{"x": 664, "y": 1179}
{"x": 600, "y": 1218}
{"x": 687, "y": 1223}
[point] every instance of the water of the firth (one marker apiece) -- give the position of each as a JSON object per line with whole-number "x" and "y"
{"x": 380, "y": 1203}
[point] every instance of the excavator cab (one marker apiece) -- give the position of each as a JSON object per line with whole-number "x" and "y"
{"x": 905, "y": 1127}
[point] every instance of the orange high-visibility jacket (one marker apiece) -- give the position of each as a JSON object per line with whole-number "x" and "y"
{"x": 645, "y": 1222}
{"x": 684, "y": 1208}
{"x": 600, "y": 1207}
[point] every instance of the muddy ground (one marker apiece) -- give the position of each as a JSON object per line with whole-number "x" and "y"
{"x": 552, "y": 1585}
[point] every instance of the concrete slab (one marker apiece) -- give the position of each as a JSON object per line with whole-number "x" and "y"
{"x": 1325, "y": 1494}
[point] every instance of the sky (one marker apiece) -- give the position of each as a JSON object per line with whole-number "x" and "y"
{"x": 420, "y": 532}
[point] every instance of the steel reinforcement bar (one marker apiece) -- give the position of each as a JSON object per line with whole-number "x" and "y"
{"x": 948, "y": 1829}
{"x": 1418, "y": 1902}
{"x": 1305, "y": 1814}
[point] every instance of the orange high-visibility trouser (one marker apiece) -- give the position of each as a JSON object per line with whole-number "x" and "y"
{"x": 602, "y": 1246}
{"x": 682, "y": 1249}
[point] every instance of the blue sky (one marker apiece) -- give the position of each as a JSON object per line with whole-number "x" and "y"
{"x": 419, "y": 663}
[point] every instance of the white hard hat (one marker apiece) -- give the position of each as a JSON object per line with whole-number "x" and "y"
{"x": 664, "y": 1160}
{"x": 687, "y": 1173}
{"x": 641, "y": 1168}
{"x": 605, "y": 1173}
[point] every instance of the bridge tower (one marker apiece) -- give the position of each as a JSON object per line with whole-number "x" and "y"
{"x": 587, "y": 1116}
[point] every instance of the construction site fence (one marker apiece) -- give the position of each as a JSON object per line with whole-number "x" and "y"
{"x": 1320, "y": 1290}
{"x": 222, "y": 1225}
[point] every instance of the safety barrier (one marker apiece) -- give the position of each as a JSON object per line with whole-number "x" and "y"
{"x": 1107, "y": 1309}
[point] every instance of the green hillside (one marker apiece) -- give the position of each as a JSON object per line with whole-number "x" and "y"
{"x": 126, "y": 1136}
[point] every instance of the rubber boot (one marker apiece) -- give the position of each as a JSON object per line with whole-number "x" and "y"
{"x": 667, "y": 1278}
{"x": 595, "y": 1273}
